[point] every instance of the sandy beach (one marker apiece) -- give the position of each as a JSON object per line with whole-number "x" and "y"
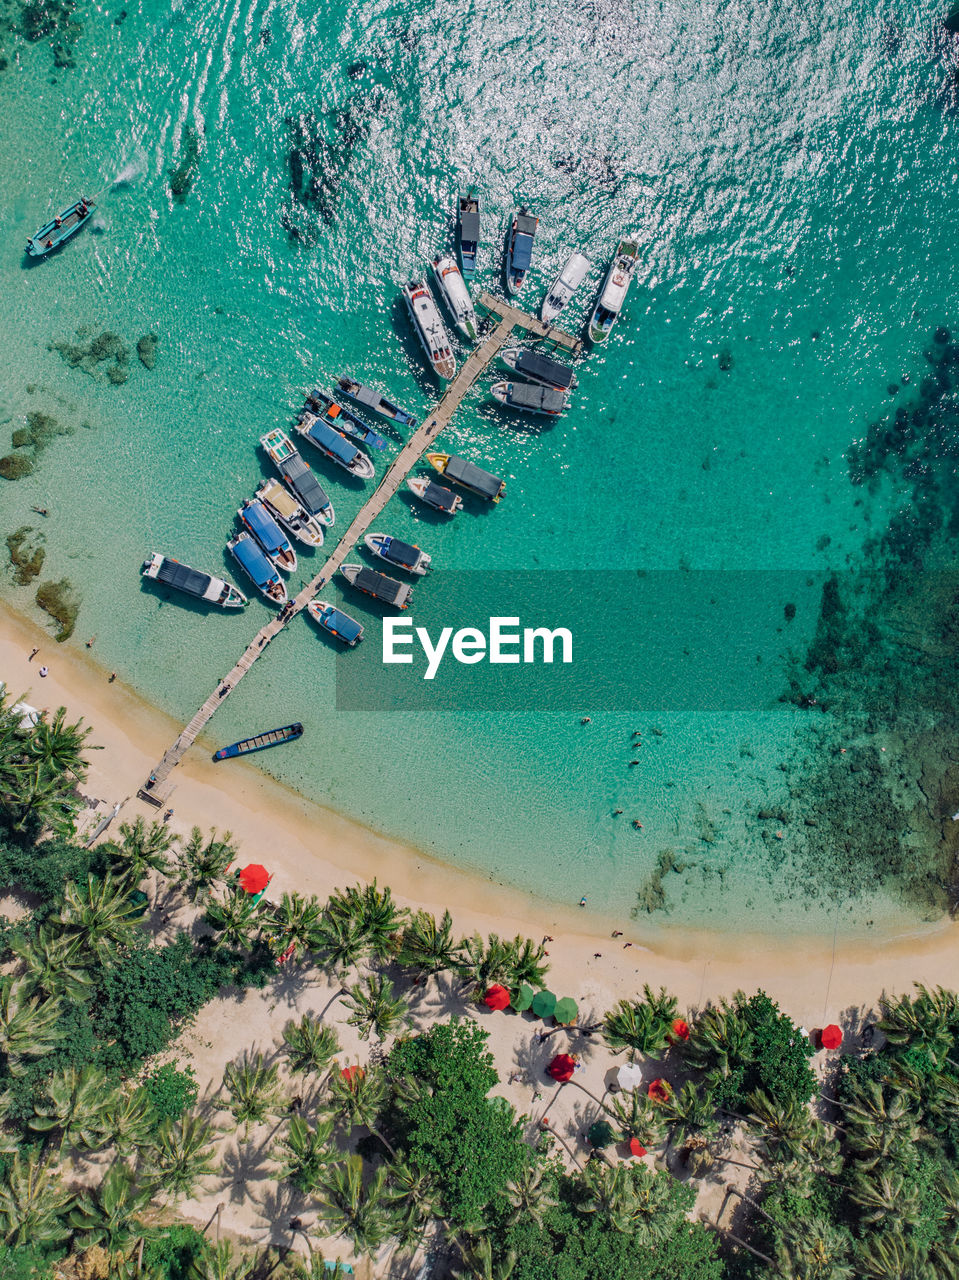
{"x": 313, "y": 849}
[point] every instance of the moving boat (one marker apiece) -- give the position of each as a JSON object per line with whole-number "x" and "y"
{"x": 613, "y": 293}
{"x": 467, "y": 474}
{"x": 405, "y": 555}
{"x": 336, "y": 446}
{"x": 456, "y": 296}
{"x": 289, "y": 513}
{"x": 297, "y": 476}
{"x": 519, "y": 253}
{"x": 530, "y": 398}
{"x": 335, "y": 621}
{"x": 272, "y": 738}
{"x": 468, "y": 233}
{"x": 378, "y": 585}
{"x": 564, "y": 286}
{"x": 373, "y": 401}
{"x": 326, "y": 408}
{"x": 249, "y": 556}
{"x": 192, "y": 582}
{"x": 56, "y": 232}
{"x": 276, "y": 545}
{"x": 435, "y": 495}
{"x": 538, "y": 368}
{"x": 428, "y": 323}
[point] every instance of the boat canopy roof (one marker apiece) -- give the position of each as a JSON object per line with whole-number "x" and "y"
{"x": 267, "y": 531}
{"x": 202, "y": 585}
{"x": 522, "y": 254}
{"x": 330, "y": 440}
{"x": 535, "y": 365}
{"x": 524, "y": 395}
{"x": 343, "y": 624}
{"x": 278, "y": 443}
{"x": 439, "y": 496}
{"x": 473, "y": 477}
{"x": 253, "y": 560}
{"x": 404, "y": 553}
{"x": 274, "y": 493}
{"x": 574, "y": 272}
{"x": 526, "y": 224}
{"x": 308, "y": 489}
{"x": 381, "y": 586}
{"x": 470, "y": 226}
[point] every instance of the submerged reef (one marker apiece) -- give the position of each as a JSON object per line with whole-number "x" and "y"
{"x": 30, "y": 441}
{"x": 52, "y": 20}
{"x": 146, "y": 350}
{"x": 60, "y": 600}
{"x": 26, "y": 554}
{"x": 107, "y": 349}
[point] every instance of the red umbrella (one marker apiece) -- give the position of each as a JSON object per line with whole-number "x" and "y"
{"x": 636, "y": 1148}
{"x": 659, "y": 1090}
{"x": 562, "y": 1068}
{"x": 352, "y": 1073}
{"x": 831, "y": 1037}
{"x": 254, "y": 878}
{"x": 680, "y": 1031}
{"x": 497, "y": 997}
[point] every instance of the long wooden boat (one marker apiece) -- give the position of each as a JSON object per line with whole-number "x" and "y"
{"x": 60, "y": 229}
{"x": 272, "y": 738}
{"x": 325, "y": 407}
{"x": 482, "y": 483}
{"x": 468, "y": 233}
{"x": 373, "y": 401}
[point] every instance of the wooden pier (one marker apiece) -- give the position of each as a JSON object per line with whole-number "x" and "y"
{"x": 157, "y": 788}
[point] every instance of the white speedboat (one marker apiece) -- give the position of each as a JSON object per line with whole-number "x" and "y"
{"x": 405, "y": 555}
{"x": 613, "y": 293}
{"x": 429, "y": 325}
{"x": 455, "y": 294}
{"x": 564, "y": 286}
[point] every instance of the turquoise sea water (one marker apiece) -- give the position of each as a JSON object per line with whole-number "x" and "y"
{"x": 790, "y": 177}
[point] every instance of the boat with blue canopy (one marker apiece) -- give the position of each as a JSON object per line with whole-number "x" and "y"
{"x": 373, "y": 401}
{"x": 336, "y": 622}
{"x": 326, "y": 408}
{"x": 249, "y": 556}
{"x": 468, "y": 233}
{"x": 60, "y": 229}
{"x": 297, "y": 476}
{"x": 272, "y": 738}
{"x": 469, "y": 475}
{"x": 276, "y": 545}
{"x": 405, "y": 555}
{"x": 335, "y": 446}
{"x": 519, "y": 253}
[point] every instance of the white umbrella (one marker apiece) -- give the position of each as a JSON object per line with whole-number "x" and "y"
{"x": 629, "y": 1076}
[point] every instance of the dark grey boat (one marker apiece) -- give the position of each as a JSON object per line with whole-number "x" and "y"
{"x": 538, "y": 368}
{"x": 530, "y": 397}
{"x": 483, "y": 483}
{"x": 378, "y": 585}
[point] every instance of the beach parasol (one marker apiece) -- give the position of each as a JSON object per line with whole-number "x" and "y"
{"x": 497, "y": 997}
{"x": 831, "y": 1037}
{"x": 679, "y": 1032}
{"x": 566, "y": 1011}
{"x": 562, "y": 1068}
{"x": 544, "y": 1004}
{"x": 600, "y": 1134}
{"x": 629, "y": 1076}
{"x": 659, "y": 1090}
{"x": 636, "y": 1148}
{"x": 350, "y": 1074}
{"x": 254, "y": 878}
{"x": 523, "y": 998}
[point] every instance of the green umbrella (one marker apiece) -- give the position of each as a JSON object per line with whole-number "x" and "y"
{"x": 544, "y": 1002}
{"x": 566, "y": 1010}
{"x": 600, "y": 1134}
{"x": 523, "y": 998}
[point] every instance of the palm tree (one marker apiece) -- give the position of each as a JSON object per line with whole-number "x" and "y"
{"x": 427, "y": 947}
{"x": 877, "y": 1130}
{"x": 632, "y": 1200}
{"x": 98, "y": 915}
{"x": 54, "y": 965}
{"x": 182, "y": 1154}
{"x": 477, "y": 1261}
{"x": 139, "y": 850}
{"x": 410, "y": 1200}
{"x": 235, "y": 918}
{"x": 887, "y": 1256}
{"x": 29, "y": 1026}
{"x": 925, "y": 1020}
{"x": 483, "y": 963}
{"x": 718, "y": 1041}
{"x": 787, "y": 1125}
{"x": 532, "y": 1194}
{"x": 59, "y": 747}
{"x": 106, "y": 1215}
{"x": 128, "y": 1118}
{"x": 353, "y": 1207}
{"x": 221, "y": 1264}
{"x": 310, "y": 1045}
{"x": 358, "y": 1099}
{"x": 40, "y": 771}
{"x": 527, "y": 962}
{"x": 883, "y": 1198}
{"x": 637, "y": 1116}
{"x": 304, "y": 1151}
{"x": 376, "y": 1007}
{"x": 813, "y": 1249}
{"x": 254, "y": 1090}
{"x": 341, "y": 941}
{"x": 76, "y": 1105}
{"x": 641, "y": 1026}
{"x": 297, "y": 921}
{"x": 689, "y": 1111}
{"x": 33, "y": 1204}
{"x": 201, "y": 865}
{"x": 382, "y": 920}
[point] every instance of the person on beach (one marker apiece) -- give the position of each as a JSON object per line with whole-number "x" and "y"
{"x": 113, "y": 676}
{"x": 90, "y": 642}
{"x": 582, "y": 901}
{"x": 617, "y": 933}
{"x": 33, "y": 654}
{"x": 44, "y": 671}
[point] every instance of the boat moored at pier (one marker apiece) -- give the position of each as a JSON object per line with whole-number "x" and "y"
{"x": 250, "y": 557}
{"x": 538, "y": 368}
{"x": 435, "y": 495}
{"x": 613, "y": 293}
{"x": 483, "y": 483}
{"x": 378, "y": 585}
{"x": 455, "y": 294}
{"x": 290, "y": 514}
{"x": 564, "y": 286}
{"x": 374, "y": 402}
{"x": 405, "y": 555}
{"x": 519, "y": 253}
{"x": 430, "y": 328}
{"x": 468, "y": 233}
{"x": 276, "y": 545}
{"x": 297, "y": 476}
{"x": 530, "y": 397}
{"x": 336, "y": 622}
{"x": 272, "y": 738}
{"x": 335, "y": 446}
{"x": 192, "y": 582}
{"x": 327, "y": 409}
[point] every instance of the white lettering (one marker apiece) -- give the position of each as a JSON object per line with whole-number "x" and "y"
{"x": 391, "y": 639}
{"x": 434, "y": 656}
{"x": 469, "y": 646}
{"x": 498, "y": 637}
{"x": 530, "y": 635}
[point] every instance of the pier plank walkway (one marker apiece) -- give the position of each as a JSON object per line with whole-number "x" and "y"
{"x": 156, "y": 789}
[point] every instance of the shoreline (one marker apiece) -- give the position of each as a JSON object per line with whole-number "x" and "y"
{"x": 313, "y": 850}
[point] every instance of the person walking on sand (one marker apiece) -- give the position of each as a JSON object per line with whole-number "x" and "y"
{"x": 33, "y": 653}
{"x": 113, "y": 676}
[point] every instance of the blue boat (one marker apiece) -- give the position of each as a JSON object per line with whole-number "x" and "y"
{"x": 249, "y": 556}
{"x": 326, "y": 408}
{"x": 276, "y": 545}
{"x": 56, "y": 232}
{"x": 272, "y": 738}
{"x": 520, "y": 252}
{"x": 336, "y": 622}
{"x": 335, "y": 445}
{"x": 374, "y": 402}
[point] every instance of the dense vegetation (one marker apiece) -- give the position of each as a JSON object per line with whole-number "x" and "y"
{"x": 852, "y": 1172}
